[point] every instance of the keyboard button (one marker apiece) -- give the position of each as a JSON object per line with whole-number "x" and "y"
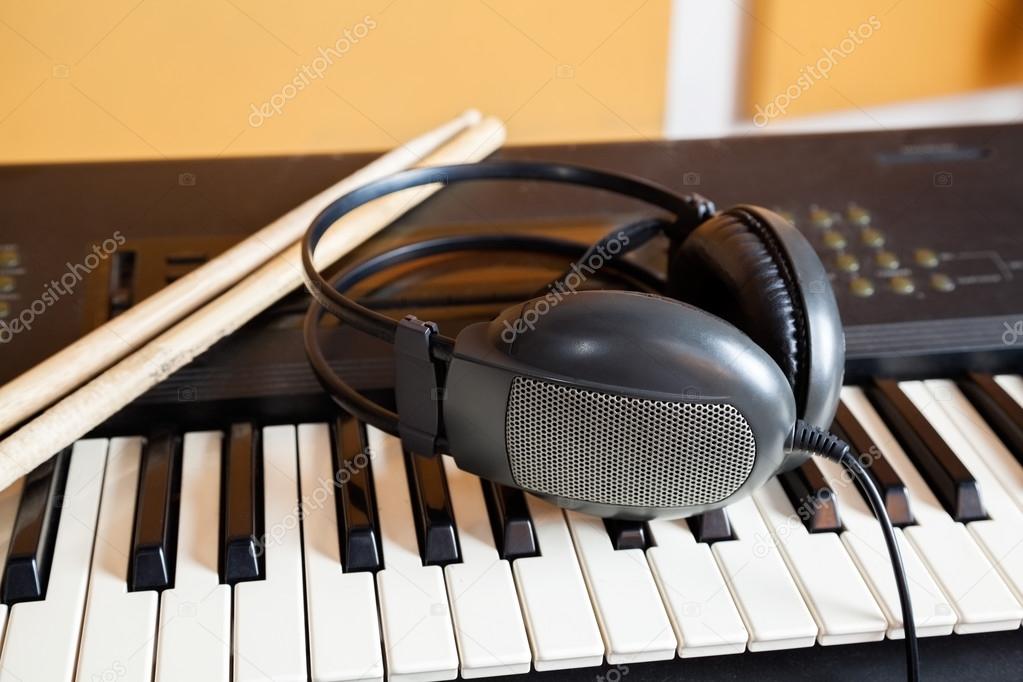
{"x": 773, "y": 611}
{"x": 559, "y": 617}
{"x": 710, "y": 527}
{"x": 811, "y": 498}
{"x": 484, "y": 605}
{"x": 9, "y": 499}
{"x": 700, "y": 607}
{"x": 269, "y": 614}
{"x": 841, "y": 603}
{"x": 862, "y": 538}
{"x": 431, "y": 508}
{"x": 194, "y": 639}
{"x": 946, "y": 476}
{"x": 513, "y": 529}
{"x": 999, "y": 475}
{"x": 627, "y": 534}
{"x": 359, "y": 527}
{"x": 35, "y": 531}
{"x": 892, "y": 489}
{"x": 241, "y": 556}
{"x": 156, "y": 512}
{"x": 42, "y": 636}
{"x": 419, "y": 642}
{"x": 978, "y": 595}
{"x": 120, "y": 625}
{"x": 341, "y": 608}
{"x": 1002, "y": 413}
{"x": 629, "y": 609}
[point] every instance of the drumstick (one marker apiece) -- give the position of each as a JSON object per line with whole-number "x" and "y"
{"x": 84, "y": 409}
{"x": 85, "y": 358}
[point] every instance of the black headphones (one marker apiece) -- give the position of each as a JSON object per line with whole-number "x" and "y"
{"x": 687, "y": 397}
{"x": 670, "y": 401}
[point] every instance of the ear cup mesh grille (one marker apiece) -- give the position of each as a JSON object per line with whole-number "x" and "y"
{"x": 610, "y": 449}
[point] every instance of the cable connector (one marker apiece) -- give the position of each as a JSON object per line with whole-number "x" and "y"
{"x": 807, "y": 439}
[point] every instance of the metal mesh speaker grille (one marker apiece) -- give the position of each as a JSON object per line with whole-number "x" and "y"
{"x": 611, "y": 449}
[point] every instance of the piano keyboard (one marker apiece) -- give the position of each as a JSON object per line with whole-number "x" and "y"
{"x": 324, "y": 552}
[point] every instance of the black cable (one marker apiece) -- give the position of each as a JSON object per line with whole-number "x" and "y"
{"x": 814, "y": 440}
{"x": 378, "y": 416}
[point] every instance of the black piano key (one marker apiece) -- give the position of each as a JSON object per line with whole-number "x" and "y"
{"x": 514, "y": 533}
{"x": 712, "y": 526}
{"x": 627, "y": 534}
{"x": 154, "y": 538}
{"x": 241, "y": 553}
{"x": 1001, "y": 411}
{"x": 812, "y": 497}
{"x": 431, "y": 508}
{"x": 893, "y": 490}
{"x": 358, "y": 526}
{"x": 949, "y": 480}
{"x": 35, "y": 531}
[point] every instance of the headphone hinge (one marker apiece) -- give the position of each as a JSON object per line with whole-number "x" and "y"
{"x": 418, "y": 391}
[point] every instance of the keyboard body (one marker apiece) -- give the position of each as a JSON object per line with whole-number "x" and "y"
{"x": 919, "y": 232}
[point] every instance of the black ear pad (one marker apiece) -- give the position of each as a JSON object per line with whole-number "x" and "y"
{"x": 752, "y": 268}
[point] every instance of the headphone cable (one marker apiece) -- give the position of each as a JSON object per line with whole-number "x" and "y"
{"x": 814, "y": 440}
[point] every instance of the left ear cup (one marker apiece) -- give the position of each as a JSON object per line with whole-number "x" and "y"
{"x": 752, "y": 268}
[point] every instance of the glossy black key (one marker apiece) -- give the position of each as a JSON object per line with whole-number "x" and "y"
{"x": 358, "y": 527}
{"x": 893, "y": 490}
{"x": 35, "y": 531}
{"x": 627, "y": 534}
{"x": 241, "y": 555}
{"x": 949, "y": 480}
{"x": 812, "y": 498}
{"x": 1001, "y": 411}
{"x": 514, "y": 533}
{"x": 711, "y": 527}
{"x": 431, "y": 508}
{"x": 154, "y": 537}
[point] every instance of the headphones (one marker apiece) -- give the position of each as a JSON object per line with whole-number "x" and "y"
{"x": 666, "y": 402}
{"x": 669, "y": 401}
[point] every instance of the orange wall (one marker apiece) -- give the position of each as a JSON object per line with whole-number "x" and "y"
{"x": 162, "y": 78}
{"x": 921, "y": 48}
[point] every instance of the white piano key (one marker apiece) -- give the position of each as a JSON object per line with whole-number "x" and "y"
{"x": 419, "y": 642}
{"x": 269, "y": 615}
{"x": 980, "y": 598}
{"x": 42, "y": 636}
{"x": 344, "y": 630}
{"x": 10, "y": 497}
{"x": 194, "y": 639}
{"x": 120, "y": 626}
{"x": 832, "y": 587}
{"x": 995, "y": 470}
{"x": 484, "y": 605}
{"x": 771, "y": 605}
{"x": 563, "y": 631}
{"x": 862, "y": 537}
{"x": 1011, "y": 384}
{"x": 699, "y": 605}
{"x": 629, "y": 609}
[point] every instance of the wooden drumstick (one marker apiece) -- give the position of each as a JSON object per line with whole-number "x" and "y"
{"x": 88, "y": 356}
{"x": 84, "y": 409}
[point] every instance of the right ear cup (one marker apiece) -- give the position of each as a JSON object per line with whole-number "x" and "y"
{"x": 750, "y": 267}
